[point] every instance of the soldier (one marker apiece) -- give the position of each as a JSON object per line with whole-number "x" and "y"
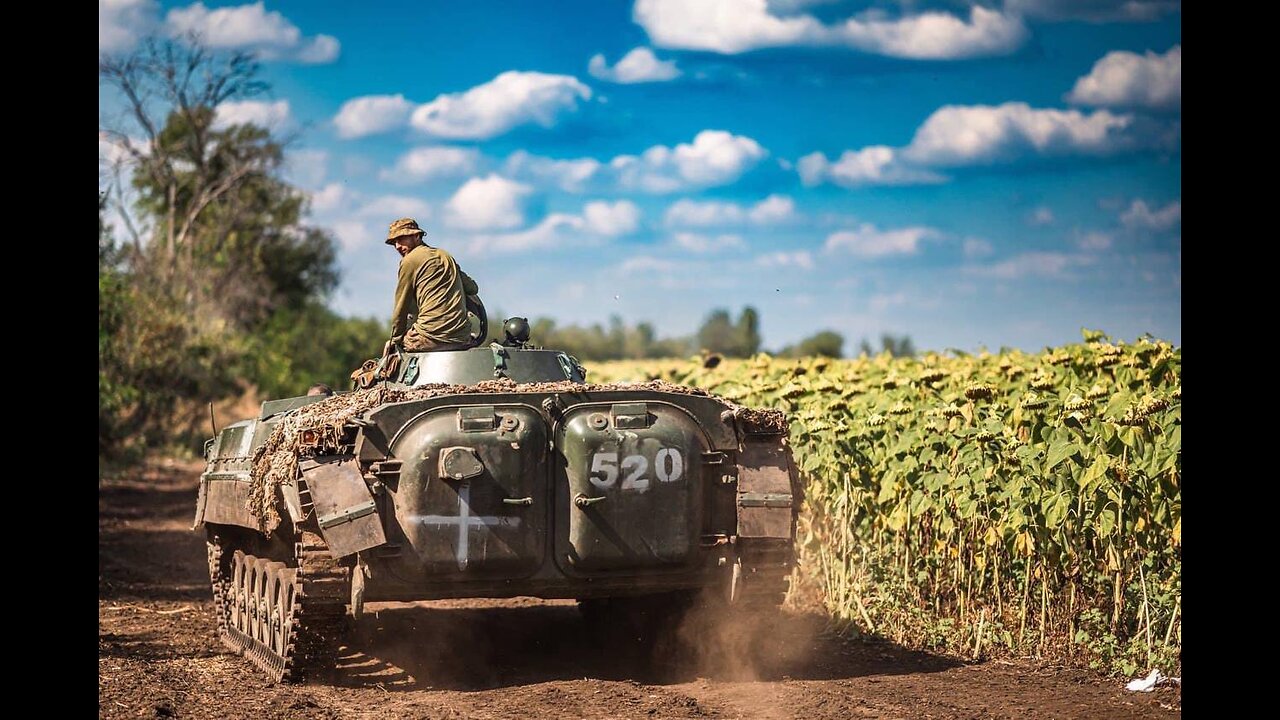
{"x": 430, "y": 304}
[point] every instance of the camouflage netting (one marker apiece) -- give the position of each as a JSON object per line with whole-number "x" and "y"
{"x": 754, "y": 420}
{"x": 318, "y": 428}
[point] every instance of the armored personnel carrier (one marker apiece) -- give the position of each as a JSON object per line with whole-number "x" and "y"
{"x": 492, "y": 472}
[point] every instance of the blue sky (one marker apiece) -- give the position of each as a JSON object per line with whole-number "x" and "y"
{"x": 994, "y": 173}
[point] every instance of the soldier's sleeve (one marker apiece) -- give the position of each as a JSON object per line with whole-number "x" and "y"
{"x": 469, "y": 286}
{"x": 403, "y": 302}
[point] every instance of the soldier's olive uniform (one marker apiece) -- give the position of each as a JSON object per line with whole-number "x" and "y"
{"x": 431, "y": 307}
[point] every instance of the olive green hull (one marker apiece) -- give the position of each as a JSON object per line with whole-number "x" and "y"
{"x": 568, "y": 493}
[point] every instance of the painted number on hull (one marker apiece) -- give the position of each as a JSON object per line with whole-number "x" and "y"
{"x": 668, "y": 466}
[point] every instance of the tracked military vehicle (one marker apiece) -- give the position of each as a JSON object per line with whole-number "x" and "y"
{"x": 491, "y": 472}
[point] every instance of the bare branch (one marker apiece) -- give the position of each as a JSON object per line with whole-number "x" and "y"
{"x": 122, "y": 210}
{"x": 209, "y": 195}
{"x": 205, "y": 194}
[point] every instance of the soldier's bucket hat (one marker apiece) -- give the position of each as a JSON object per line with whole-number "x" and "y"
{"x": 403, "y": 227}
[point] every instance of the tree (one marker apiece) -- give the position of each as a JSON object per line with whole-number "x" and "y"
{"x": 897, "y": 346}
{"x": 219, "y": 276}
{"x": 826, "y": 343}
{"x": 719, "y": 334}
{"x": 211, "y": 222}
{"x": 595, "y": 342}
{"x": 173, "y": 83}
{"x": 748, "y": 332}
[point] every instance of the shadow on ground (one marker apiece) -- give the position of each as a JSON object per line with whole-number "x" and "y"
{"x": 525, "y": 641}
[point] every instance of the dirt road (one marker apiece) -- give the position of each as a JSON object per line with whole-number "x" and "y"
{"x": 158, "y": 655}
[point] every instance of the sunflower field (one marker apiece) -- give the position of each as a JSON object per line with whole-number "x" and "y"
{"x": 983, "y": 503}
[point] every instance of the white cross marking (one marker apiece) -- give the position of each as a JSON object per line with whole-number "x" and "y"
{"x": 465, "y": 521}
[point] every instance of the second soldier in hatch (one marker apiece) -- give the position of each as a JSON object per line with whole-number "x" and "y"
{"x": 431, "y": 294}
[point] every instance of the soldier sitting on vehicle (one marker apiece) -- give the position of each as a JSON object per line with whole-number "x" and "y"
{"x": 431, "y": 294}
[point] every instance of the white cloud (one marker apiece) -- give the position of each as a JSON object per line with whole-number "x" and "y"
{"x": 967, "y": 135}
{"x": 976, "y": 247}
{"x": 572, "y": 292}
{"x": 253, "y": 28}
{"x": 568, "y": 175}
{"x": 801, "y": 259}
{"x": 336, "y": 199}
{"x": 734, "y": 26}
{"x": 813, "y": 168}
{"x": 773, "y": 209}
{"x": 1033, "y": 265}
{"x": 320, "y": 50}
{"x": 873, "y": 165}
{"x": 610, "y": 219}
{"x": 870, "y": 242}
{"x": 357, "y": 221}
{"x": 330, "y": 197}
{"x": 693, "y": 213}
{"x": 307, "y": 167}
{"x": 638, "y": 66}
{"x": 598, "y": 220}
{"x": 791, "y": 7}
{"x": 957, "y": 135}
{"x": 1093, "y": 10}
{"x": 1040, "y": 216}
{"x": 715, "y": 157}
{"x": 936, "y": 35}
{"x": 121, "y": 23}
{"x": 269, "y": 115}
{"x": 510, "y": 99}
{"x": 1139, "y": 216}
{"x": 724, "y": 26}
{"x": 697, "y": 243}
{"x": 641, "y": 264}
{"x": 546, "y": 234}
{"x": 352, "y": 234}
{"x": 489, "y": 203}
{"x": 391, "y": 207}
{"x": 1094, "y": 240}
{"x": 884, "y": 301}
{"x": 1125, "y": 79}
{"x": 430, "y": 163}
{"x": 372, "y": 114}
{"x": 112, "y": 152}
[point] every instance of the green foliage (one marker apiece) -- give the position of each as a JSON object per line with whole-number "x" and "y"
{"x": 114, "y": 394}
{"x": 597, "y": 342}
{"x": 153, "y": 363}
{"x": 1015, "y": 502}
{"x": 826, "y": 343}
{"x": 221, "y": 287}
{"x": 719, "y": 334}
{"x": 894, "y": 345}
{"x": 618, "y": 341}
{"x": 747, "y": 333}
{"x": 298, "y": 347}
{"x": 151, "y": 358}
{"x": 248, "y": 247}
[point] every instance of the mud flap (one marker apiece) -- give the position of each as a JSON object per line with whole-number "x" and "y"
{"x": 764, "y": 489}
{"x": 344, "y": 508}
{"x": 222, "y": 500}
{"x": 202, "y": 499}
